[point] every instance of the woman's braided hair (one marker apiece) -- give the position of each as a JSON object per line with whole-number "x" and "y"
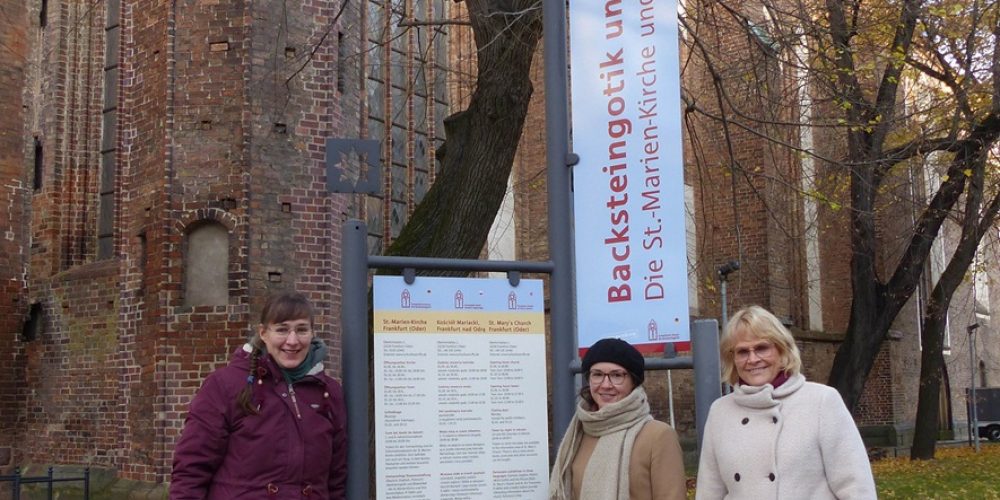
{"x": 280, "y": 307}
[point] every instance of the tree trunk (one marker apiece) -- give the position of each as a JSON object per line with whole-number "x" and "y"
{"x": 856, "y": 355}
{"x": 867, "y": 328}
{"x": 453, "y": 220}
{"x": 925, "y": 432}
{"x": 974, "y": 226}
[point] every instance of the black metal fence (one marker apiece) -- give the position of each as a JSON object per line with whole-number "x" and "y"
{"x": 17, "y": 480}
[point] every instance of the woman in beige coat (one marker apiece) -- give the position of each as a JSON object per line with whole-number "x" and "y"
{"x": 777, "y": 435}
{"x": 613, "y": 449}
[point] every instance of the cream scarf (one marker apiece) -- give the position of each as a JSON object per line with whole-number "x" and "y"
{"x": 616, "y": 426}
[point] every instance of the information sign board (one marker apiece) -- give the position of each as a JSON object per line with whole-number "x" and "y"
{"x": 460, "y": 390}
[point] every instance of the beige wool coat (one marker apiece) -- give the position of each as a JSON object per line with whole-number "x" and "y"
{"x": 656, "y": 468}
{"x": 794, "y": 442}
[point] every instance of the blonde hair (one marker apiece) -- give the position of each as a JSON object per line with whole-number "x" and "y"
{"x": 758, "y": 323}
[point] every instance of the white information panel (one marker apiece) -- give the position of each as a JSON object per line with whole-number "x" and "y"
{"x": 628, "y": 188}
{"x": 460, "y": 391}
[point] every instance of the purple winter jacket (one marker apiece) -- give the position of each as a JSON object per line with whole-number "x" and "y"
{"x": 224, "y": 453}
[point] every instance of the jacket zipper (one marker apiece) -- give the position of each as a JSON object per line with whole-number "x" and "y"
{"x": 295, "y": 403}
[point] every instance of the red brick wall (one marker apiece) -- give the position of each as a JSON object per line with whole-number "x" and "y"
{"x": 530, "y": 176}
{"x": 143, "y": 132}
{"x": 289, "y": 179}
{"x": 109, "y": 381}
{"x": 69, "y": 390}
{"x": 219, "y": 122}
{"x": 65, "y": 378}
{"x": 834, "y": 228}
{"x": 207, "y": 159}
{"x": 876, "y": 404}
{"x": 743, "y": 186}
{"x": 15, "y": 194}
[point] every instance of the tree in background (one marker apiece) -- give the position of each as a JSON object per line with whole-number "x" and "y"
{"x": 453, "y": 220}
{"x": 898, "y": 87}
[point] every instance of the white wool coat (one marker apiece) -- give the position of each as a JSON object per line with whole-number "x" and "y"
{"x": 794, "y": 442}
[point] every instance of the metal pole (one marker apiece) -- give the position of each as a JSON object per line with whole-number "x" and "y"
{"x": 670, "y": 398}
{"x": 972, "y": 384}
{"x": 726, "y": 388}
{"x": 557, "y": 158}
{"x": 355, "y": 355}
{"x": 725, "y": 311}
{"x": 707, "y": 375}
{"x": 439, "y": 263}
{"x": 724, "y": 271}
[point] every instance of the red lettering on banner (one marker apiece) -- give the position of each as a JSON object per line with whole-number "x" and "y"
{"x": 619, "y": 129}
{"x": 621, "y": 293}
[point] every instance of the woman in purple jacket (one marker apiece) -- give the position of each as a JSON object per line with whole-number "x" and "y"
{"x": 270, "y": 424}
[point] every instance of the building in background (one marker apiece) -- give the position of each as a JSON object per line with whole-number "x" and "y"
{"x": 162, "y": 169}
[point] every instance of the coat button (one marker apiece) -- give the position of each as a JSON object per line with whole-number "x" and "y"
{"x": 771, "y": 476}
{"x": 737, "y": 477}
{"x": 284, "y": 394}
{"x": 774, "y": 419}
{"x": 745, "y": 421}
{"x": 307, "y": 490}
{"x": 272, "y": 489}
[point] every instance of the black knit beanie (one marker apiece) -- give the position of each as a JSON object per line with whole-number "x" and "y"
{"x": 619, "y": 352}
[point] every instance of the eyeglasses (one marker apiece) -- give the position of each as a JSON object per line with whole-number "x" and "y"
{"x": 764, "y": 350}
{"x": 596, "y": 377}
{"x": 284, "y": 331}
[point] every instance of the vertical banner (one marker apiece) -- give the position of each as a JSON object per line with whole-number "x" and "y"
{"x": 460, "y": 389}
{"x": 631, "y": 262}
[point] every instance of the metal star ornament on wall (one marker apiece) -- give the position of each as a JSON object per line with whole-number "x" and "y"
{"x": 352, "y": 166}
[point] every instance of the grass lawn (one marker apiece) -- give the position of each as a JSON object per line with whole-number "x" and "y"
{"x": 956, "y": 472}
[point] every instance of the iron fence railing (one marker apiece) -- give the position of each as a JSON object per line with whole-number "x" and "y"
{"x": 17, "y": 480}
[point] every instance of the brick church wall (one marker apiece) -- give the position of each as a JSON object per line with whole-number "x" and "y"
{"x": 206, "y": 159}
{"x": 735, "y": 203}
{"x": 65, "y": 376}
{"x": 143, "y": 152}
{"x": 224, "y": 108}
{"x": 198, "y": 140}
{"x": 16, "y": 177}
{"x": 69, "y": 390}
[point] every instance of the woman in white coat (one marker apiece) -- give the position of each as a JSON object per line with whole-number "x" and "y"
{"x": 776, "y": 435}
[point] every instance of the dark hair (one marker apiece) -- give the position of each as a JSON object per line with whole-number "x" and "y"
{"x": 285, "y": 306}
{"x": 279, "y": 307}
{"x": 586, "y": 396}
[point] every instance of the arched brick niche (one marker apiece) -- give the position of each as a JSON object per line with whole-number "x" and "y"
{"x": 207, "y": 252}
